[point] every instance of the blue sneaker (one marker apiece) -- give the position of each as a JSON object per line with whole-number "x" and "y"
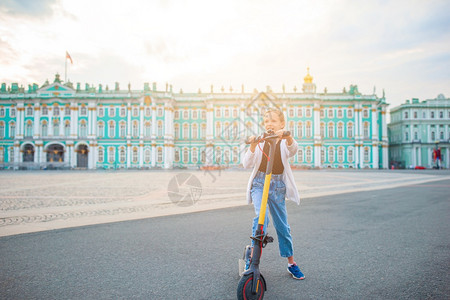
{"x": 295, "y": 272}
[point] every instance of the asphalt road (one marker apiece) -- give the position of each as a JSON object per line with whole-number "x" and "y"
{"x": 384, "y": 244}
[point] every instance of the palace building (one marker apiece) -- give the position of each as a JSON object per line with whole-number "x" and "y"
{"x": 58, "y": 125}
{"x": 417, "y": 130}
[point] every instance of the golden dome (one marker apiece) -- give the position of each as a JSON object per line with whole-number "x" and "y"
{"x": 308, "y": 78}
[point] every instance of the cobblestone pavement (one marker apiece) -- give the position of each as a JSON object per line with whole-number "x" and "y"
{"x": 43, "y": 200}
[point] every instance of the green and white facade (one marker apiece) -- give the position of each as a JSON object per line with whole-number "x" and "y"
{"x": 416, "y": 129}
{"x": 57, "y": 125}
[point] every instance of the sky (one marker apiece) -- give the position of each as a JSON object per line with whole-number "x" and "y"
{"x": 401, "y": 47}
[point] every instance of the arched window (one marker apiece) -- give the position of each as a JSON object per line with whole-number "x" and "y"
{"x": 111, "y": 154}
{"x": 44, "y": 128}
{"x": 308, "y": 154}
{"x": 177, "y": 155}
{"x": 111, "y": 129}
{"x": 159, "y": 155}
{"x": 194, "y": 131}
{"x": 300, "y": 129}
{"x": 148, "y": 130}
{"x": 340, "y": 154}
{"x": 100, "y": 129}
{"x": 122, "y": 155}
{"x": 330, "y": 130}
{"x": 2, "y": 130}
{"x": 101, "y": 154}
{"x": 147, "y": 155}
{"x": 218, "y": 129}
{"x": 308, "y": 129}
{"x": 218, "y": 155}
{"x": 135, "y": 129}
{"x": 185, "y": 131}
{"x": 185, "y": 155}
{"x": 331, "y": 154}
{"x": 322, "y": 129}
{"x": 122, "y": 129}
{"x": 29, "y": 129}
{"x": 203, "y": 131}
{"x": 56, "y": 127}
{"x": 83, "y": 129}
{"x": 12, "y": 130}
{"x": 340, "y": 130}
{"x": 350, "y": 130}
{"x": 160, "y": 129}
{"x": 366, "y": 130}
{"x": 366, "y": 154}
{"x": 194, "y": 155}
{"x": 235, "y": 155}
{"x": 135, "y": 156}
{"x": 67, "y": 128}
{"x": 350, "y": 155}
{"x": 300, "y": 155}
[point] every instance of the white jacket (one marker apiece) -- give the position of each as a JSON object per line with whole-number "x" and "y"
{"x": 254, "y": 160}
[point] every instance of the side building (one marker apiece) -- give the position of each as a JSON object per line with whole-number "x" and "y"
{"x": 417, "y": 129}
{"x": 58, "y": 125}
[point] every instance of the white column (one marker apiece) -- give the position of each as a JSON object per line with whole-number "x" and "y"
{"x": 141, "y": 121}
{"x": 128, "y": 153}
{"x": 21, "y": 112}
{"x": 141, "y": 154}
{"x": 153, "y": 155}
{"x": 154, "y": 127}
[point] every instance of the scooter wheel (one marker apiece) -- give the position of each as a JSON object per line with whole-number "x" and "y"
{"x": 244, "y": 290}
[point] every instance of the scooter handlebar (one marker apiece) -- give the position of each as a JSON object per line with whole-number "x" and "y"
{"x": 267, "y": 135}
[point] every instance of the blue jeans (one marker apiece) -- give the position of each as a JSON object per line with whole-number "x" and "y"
{"x": 277, "y": 207}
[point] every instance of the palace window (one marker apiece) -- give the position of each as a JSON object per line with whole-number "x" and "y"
{"x": 299, "y": 129}
{"x": 100, "y": 129}
{"x": 12, "y": 113}
{"x": 203, "y": 157}
{"x": 322, "y": 113}
{"x": 350, "y": 155}
{"x": 160, "y": 112}
{"x": 122, "y": 129}
{"x": 227, "y": 112}
{"x": 11, "y": 154}
{"x": 308, "y": 154}
{"x": 185, "y": 155}
{"x": 433, "y": 135}
{"x": 67, "y": 128}
{"x": 441, "y": 114}
{"x": 148, "y": 129}
{"x": 203, "y": 114}
{"x": 350, "y": 130}
{"x": 365, "y": 113}
{"x": 135, "y": 112}
{"x": 160, "y": 129}
{"x": 56, "y": 128}
{"x": 300, "y": 155}
{"x": 44, "y": 128}
{"x": 291, "y": 112}
{"x": 406, "y": 136}
{"x": 330, "y": 130}
{"x": 366, "y": 154}
{"x": 147, "y": 155}
{"x": 194, "y": 114}
{"x": 135, "y": 155}
{"x": 322, "y": 129}
{"x": 176, "y": 131}
{"x": 101, "y": 154}
{"x": 366, "y": 130}
{"x": 111, "y": 129}
{"x": 29, "y": 111}
{"x": 406, "y": 115}
{"x": 12, "y": 130}
{"x": 194, "y": 155}
{"x": 416, "y": 135}
{"x": 432, "y": 114}
{"x": 203, "y": 131}
{"x": 83, "y": 129}
{"x": 235, "y": 155}
{"x": 218, "y": 129}
{"x": 194, "y": 131}
{"x": 415, "y": 115}
{"x": 55, "y": 111}
{"x": 122, "y": 155}
{"x": 123, "y": 111}
{"x": 2, "y": 130}
{"x": 147, "y": 112}
{"x": 235, "y": 112}
{"x": 83, "y": 111}
{"x": 135, "y": 129}
{"x": 322, "y": 155}
{"x": 339, "y": 113}
{"x": 2, "y": 112}
{"x": 299, "y": 112}
{"x": 350, "y": 113}
{"x": 185, "y": 131}
{"x": 308, "y": 112}
{"x": 218, "y": 155}
{"x": 112, "y": 112}
{"x": 341, "y": 154}
{"x": 67, "y": 110}
{"x": 441, "y": 135}
{"x": 185, "y": 114}
{"x": 331, "y": 154}
{"x": 226, "y": 156}
{"x": 340, "y": 130}
{"x": 330, "y": 113}
{"x": 111, "y": 154}
{"x": 2, "y": 154}
{"x": 177, "y": 155}
{"x": 308, "y": 129}
{"x": 101, "y": 112}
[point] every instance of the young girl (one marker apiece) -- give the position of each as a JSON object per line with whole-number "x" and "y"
{"x": 282, "y": 185}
